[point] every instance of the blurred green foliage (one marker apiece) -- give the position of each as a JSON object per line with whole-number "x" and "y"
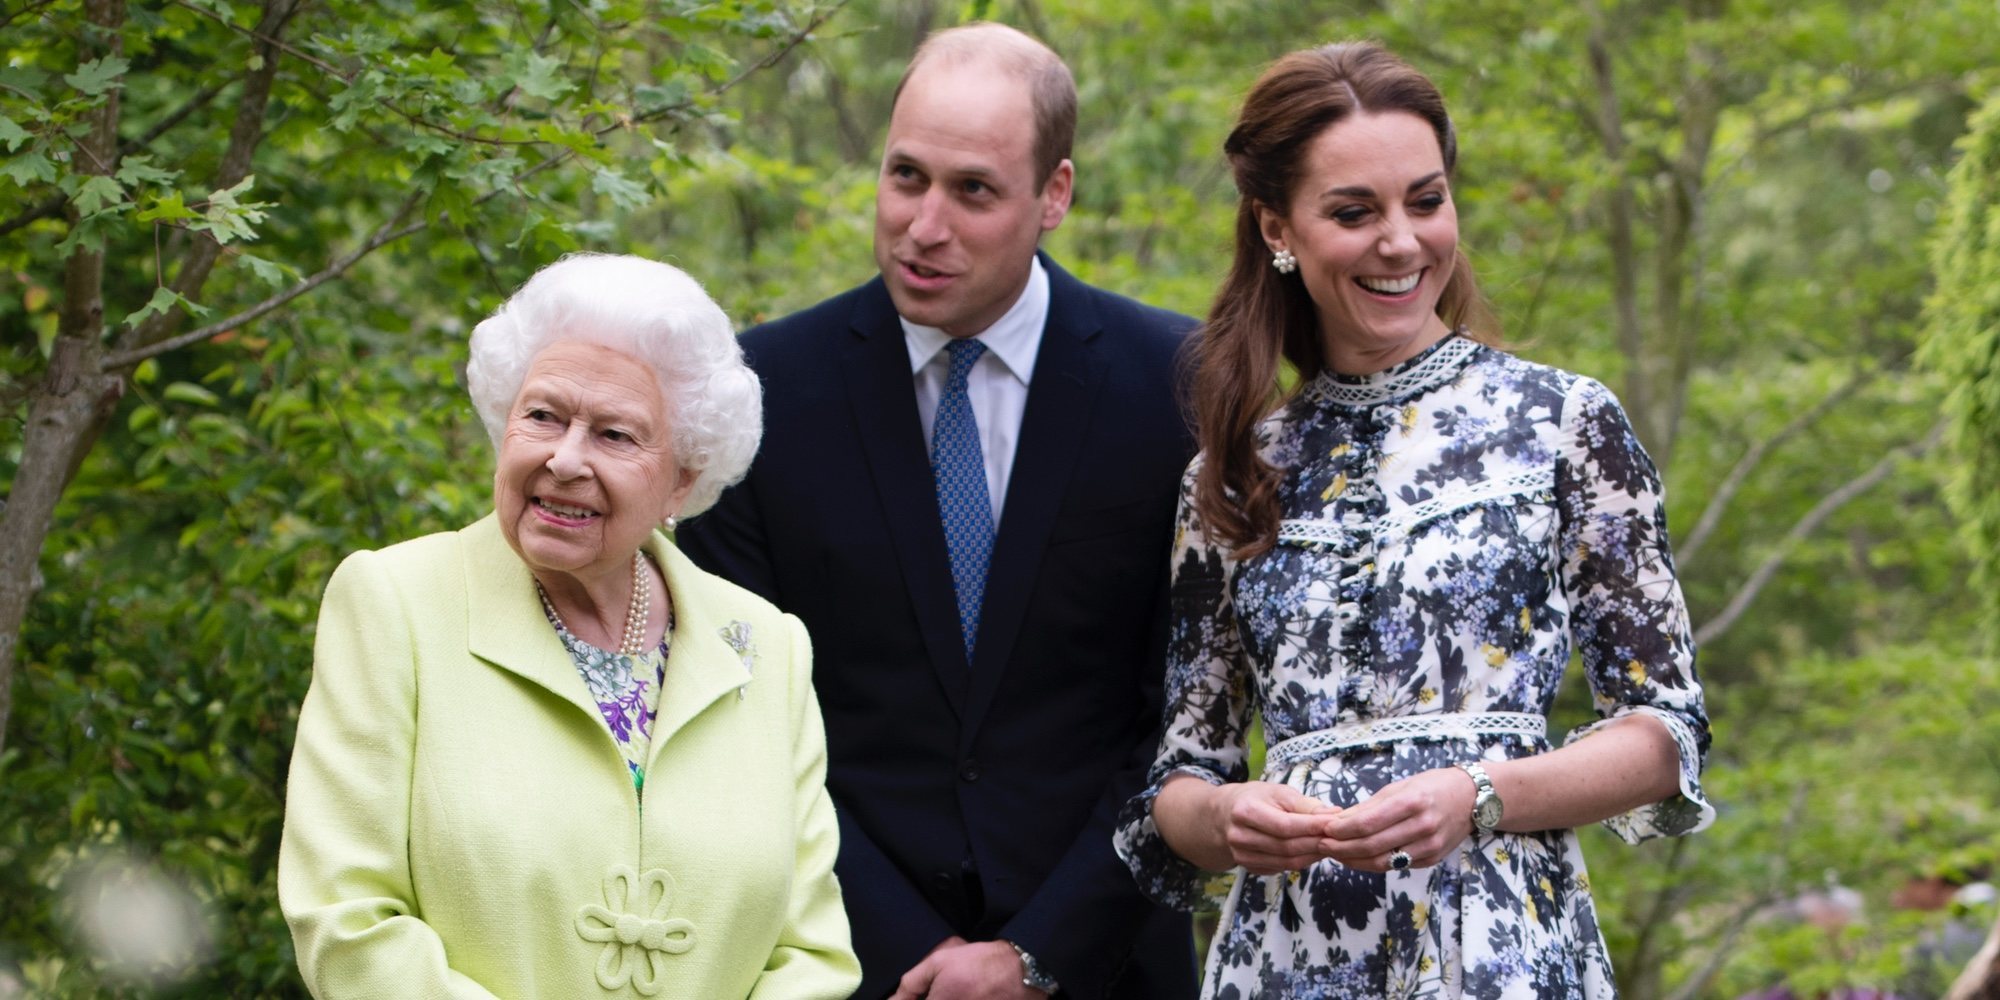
{"x": 1782, "y": 166}
{"x": 1962, "y": 341}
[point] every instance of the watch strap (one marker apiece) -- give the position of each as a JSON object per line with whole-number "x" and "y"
{"x": 1482, "y": 793}
{"x": 1032, "y": 974}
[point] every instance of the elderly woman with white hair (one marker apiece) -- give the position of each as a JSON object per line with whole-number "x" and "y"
{"x": 545, "y": 755}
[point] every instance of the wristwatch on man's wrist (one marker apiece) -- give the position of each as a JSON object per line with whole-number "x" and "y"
{"x": 1032, "y": 975}
{"x": 1486, "y": 806}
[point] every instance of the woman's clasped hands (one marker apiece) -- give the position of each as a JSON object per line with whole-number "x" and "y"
{"x": 1266, "y": 827}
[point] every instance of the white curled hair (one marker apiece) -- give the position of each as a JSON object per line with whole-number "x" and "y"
{"x": 653, "y": 312}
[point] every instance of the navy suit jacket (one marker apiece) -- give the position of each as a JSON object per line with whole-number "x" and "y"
{"x": 977, "y": 799}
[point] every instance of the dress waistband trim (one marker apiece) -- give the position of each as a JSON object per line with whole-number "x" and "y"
{"x": 1450, "y": 726}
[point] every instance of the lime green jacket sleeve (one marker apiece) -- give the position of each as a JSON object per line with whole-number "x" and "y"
{"x": 343, "y": 869}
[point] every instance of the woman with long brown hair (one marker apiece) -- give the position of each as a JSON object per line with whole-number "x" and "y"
{"x": 1389, "y": 566}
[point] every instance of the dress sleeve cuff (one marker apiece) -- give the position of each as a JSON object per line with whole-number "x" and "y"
{"x": 1164, "y": 876}
{"x": 1685, "y": 812}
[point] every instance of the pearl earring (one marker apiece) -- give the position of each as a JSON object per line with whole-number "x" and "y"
{"x": 670, "y": 523}
{"x": 1284, "y": 262}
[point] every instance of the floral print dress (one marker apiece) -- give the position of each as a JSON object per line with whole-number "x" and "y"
{"x": 1450, "y": 527}
{"x": 626, "y": 690}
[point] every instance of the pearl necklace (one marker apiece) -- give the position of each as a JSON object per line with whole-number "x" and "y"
{"x": 636, "y": 615}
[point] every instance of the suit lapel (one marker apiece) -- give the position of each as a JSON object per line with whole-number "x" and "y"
{"x": 1067, "y": 375}
{"x": 875, "y": 366}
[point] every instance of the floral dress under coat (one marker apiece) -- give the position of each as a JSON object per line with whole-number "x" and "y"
{"x": 1450, "y": 526}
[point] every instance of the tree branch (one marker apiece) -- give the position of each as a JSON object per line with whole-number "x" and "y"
{"x": 798, "y": 38}
{"x": 52, "y": 207}
{"x": 1848, "y": 103}
{"x": 1666, "y": 899}
{"x": 25, "y": 11}
{"x": 774, "y": 57}
{"x": 246, "y": 133}
{"x": 1543, "y": 276}
{"x": 384, "y": 235}
{"x": 148, "y": 339}
{"x": 260, "y": 35}
{"x": 1638, "y": 392}
{"x": 1806, "y": 526}
{"x": 1754, "y": 456}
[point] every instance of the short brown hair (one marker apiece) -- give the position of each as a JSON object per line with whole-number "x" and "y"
{"x": 1051, "y": 88}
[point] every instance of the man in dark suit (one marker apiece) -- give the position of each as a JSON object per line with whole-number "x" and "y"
{"x": 966, "y": 491}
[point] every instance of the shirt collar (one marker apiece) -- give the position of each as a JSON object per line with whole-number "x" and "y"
{"x": 1015, "y": 338}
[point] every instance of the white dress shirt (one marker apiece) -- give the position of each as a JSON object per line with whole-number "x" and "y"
{"x": 998, "y": 383}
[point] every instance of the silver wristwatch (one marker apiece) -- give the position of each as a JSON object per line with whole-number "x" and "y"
{"x": 1486, "y": 806}
{"x": 1032, "y": 975}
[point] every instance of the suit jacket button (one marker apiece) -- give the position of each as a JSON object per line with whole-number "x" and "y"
{"x": 969, "y": 771}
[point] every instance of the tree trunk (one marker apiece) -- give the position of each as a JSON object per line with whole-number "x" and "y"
{"x": 65, "y": 415}
{"x": 73, "y": 402}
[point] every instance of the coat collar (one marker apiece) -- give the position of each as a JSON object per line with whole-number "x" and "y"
{"x": 506, "y": 627}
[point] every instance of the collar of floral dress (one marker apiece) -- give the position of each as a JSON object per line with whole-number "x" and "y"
{"x": 1439, "y": 364}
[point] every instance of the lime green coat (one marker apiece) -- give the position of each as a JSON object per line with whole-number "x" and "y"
{"x": 460, "y": 823}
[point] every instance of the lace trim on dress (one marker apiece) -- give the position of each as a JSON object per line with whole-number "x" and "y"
{"x": 1373, "y": 732}
{"x": 1423, "y": 373}
{"x": 1534, "y": 484}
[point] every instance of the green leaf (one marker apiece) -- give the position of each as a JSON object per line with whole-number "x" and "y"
{"x": 188, "y": 392}
{"x": 96, "y": 192}
{"x": 88, "y": 234}
{"x": 582, "y": 142}
{"x": 170, "y": 207}
{"x": 540, "y": 76}
{"x": 22, "y": 79}
{"x": 227, "y": 196}
{"x": 164, "y": 299}
{"x": 136, "y": 170}
{"x": 11, "y": 134}
{"x": 269, "y": 272}
{"x": 219, "y": 8}
{"x": 28, "y": 168}
{"x": 653, "y": 97}
{"x": 228, "y": 219}
{"x": 98, "y": 75}
{"x": 623, "y": 193}
{"x": 437, "y": 62}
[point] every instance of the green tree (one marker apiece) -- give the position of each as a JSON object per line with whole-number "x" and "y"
{"x": 1962, "y": 342}
{"x": 135, "y": 137}
{"x": 1962, "y": 339}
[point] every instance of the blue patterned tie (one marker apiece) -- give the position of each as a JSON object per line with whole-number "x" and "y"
{"x": 959, "y": 465}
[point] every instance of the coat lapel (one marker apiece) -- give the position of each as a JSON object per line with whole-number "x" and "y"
{"x": 1067, "y": 375}
{"x": 506, "y": 627}
{"x": 875, "y": 365}
{"x": 704, "y": 663}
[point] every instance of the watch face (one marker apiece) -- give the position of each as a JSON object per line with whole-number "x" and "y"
{"x": 1486, "y": 812}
